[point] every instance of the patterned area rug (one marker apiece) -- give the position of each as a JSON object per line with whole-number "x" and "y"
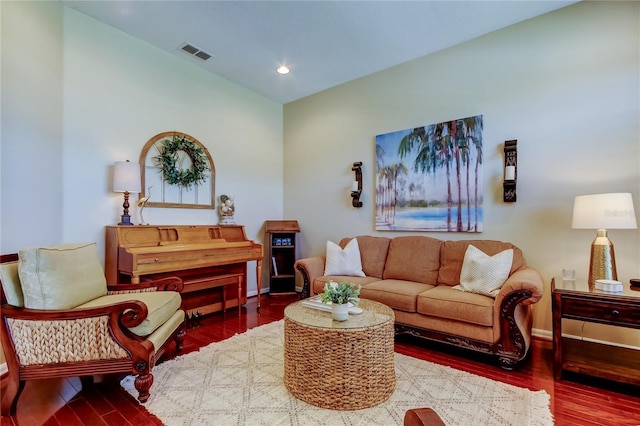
{"x": 239, "y": 381}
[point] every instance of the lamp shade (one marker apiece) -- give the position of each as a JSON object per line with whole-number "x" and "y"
{"x": 126, "y": 177}
{"x": 604, "y": 211}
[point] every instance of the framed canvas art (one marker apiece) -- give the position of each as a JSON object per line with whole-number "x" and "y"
{"x": 429, "y": 178}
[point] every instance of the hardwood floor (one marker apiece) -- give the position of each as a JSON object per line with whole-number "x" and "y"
{"x": 580, "y": 401}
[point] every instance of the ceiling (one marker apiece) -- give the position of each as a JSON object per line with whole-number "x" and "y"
{"x": 324, "y": 43}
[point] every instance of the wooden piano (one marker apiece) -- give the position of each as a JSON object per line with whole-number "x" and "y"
{"x": 211, "y": 260}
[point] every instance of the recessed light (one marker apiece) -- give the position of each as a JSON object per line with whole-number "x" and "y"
{"x": 282, "y": 70}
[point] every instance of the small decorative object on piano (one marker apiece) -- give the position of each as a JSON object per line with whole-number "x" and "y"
{"x": 227, "y": 210}
{"x": 142, "y": 202}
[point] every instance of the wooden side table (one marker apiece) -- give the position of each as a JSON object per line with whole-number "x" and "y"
{"x": 575, "y": 300}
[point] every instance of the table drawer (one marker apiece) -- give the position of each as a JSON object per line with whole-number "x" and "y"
{"x": 606, "y": 312}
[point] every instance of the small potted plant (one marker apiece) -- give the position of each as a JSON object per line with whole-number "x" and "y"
{"x": 340, "y": 295}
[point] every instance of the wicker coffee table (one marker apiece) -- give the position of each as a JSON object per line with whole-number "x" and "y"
{"x": 346, "y": 365}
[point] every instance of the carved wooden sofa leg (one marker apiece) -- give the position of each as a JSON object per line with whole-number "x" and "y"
{"x": 180, "y": 338}
{"x": 143, "y": 383}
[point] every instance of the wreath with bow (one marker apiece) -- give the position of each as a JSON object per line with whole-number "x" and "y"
{"x": 169, "y": 158}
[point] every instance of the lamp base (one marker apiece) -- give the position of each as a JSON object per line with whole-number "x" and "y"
{"x": 125, "y": 219}
{"x": 602, "y": 265}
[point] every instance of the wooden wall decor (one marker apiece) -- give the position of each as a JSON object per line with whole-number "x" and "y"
{"x": 162, "y": 193}
{"x": 356, "y": 191}
{"x": 510, "y": 171}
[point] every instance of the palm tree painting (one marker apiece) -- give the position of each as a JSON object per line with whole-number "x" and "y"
{"x": 430, "y": 178}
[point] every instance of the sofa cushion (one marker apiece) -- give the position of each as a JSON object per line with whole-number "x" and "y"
{"x": 445, "y": 302}
{"x": 397, "y": 294}
{"x": 484, "y": 274}
{"x": 161, "y": 306}
{"x": 373, "y": 253}
{"x": 413, "y": 259}
{"x": 317, "y": 286}
{"x": 343, "y": 261}
{"x": 61, "y": 277}
{"x": 452, "y": 256}
{"x": 447, "y": 326}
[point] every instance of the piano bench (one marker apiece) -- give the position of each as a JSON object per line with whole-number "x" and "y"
{"x": 208, "y": 282}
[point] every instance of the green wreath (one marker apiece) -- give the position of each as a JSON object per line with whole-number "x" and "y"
{"x": 168, "y": 158}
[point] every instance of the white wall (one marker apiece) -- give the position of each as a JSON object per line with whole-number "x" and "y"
{"x": 31, "y": 131}
{"x": 111, "y": 93}
{"x": 565, "y": 85}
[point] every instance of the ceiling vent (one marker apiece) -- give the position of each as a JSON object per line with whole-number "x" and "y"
{"x": 195, "y": 51}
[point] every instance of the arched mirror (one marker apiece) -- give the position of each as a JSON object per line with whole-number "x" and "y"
{"x": 177, "y": 171}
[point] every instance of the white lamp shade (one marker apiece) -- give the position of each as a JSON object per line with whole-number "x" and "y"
{"x": 126, "y": 177}
{"x": 604, "y": 211}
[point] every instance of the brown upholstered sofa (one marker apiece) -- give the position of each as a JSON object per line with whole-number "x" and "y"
{"x": 416, "y": 275}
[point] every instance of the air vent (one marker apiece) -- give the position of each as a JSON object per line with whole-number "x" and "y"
{"x": 195, "y": 51}
{"x": 203, "y": 55}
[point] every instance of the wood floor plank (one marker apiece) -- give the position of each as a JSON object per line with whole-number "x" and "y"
{"x": 578, "y": 401}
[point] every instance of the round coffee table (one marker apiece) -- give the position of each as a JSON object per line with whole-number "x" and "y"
{"x": 341, "y": 365}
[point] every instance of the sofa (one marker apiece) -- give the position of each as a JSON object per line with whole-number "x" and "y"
{"x": 419, "y": 277}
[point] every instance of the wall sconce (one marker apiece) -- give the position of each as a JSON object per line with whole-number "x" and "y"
{"x": 510, "y": 171}
{"x": 126, "y": 178}
{"x": 356, "y": 189}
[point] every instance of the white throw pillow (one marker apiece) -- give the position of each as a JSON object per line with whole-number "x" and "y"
{"x": 484, "y": 274}
{"x": 343, "y": 261}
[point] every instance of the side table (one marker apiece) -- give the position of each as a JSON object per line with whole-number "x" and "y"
{"x": 575, "y": 300}
{"x": 340, "y": 365}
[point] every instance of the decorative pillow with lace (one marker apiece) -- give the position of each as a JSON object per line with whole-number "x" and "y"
{"x": 484, "y": 274}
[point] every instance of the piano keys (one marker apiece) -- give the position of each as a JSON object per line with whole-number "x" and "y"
{"x": 211, "y": 260}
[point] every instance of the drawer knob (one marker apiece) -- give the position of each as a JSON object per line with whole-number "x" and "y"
{"x": 615, "y": 312}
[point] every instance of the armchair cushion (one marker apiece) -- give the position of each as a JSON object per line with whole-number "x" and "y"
{"x": 161, "y": 306}
{"x": 61, "y": 277}
{"x": 11, "y": 284}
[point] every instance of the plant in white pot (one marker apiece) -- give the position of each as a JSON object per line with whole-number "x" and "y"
{"x": 340, "y": 295}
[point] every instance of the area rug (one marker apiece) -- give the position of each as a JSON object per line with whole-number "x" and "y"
{"x": 239, "y": 381}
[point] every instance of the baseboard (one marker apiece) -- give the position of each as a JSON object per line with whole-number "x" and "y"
{"x": 548, "y": 335}
{"x": 542, "y": 334}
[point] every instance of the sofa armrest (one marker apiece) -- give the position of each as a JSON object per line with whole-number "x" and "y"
{"x": 310, "y": 269}
{"x": 512, "y": 315}
{"x": 54, "y": 330}
{"x": 524, "y": 279}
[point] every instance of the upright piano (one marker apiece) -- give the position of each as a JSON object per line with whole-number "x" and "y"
{"x": 211, "y": 260}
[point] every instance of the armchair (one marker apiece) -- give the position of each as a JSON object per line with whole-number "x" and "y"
{"x": 59, "y": 318}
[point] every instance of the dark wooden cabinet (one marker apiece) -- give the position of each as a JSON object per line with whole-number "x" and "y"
{"x": 575, "y": 300}
{"x": 281, "y": 242}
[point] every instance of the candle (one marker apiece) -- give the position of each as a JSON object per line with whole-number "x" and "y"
{"x": 354, "y": 186}
{"x": 510, "y": 173}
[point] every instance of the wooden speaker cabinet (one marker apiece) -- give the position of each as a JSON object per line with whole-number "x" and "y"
{"x": 281, "y": 243}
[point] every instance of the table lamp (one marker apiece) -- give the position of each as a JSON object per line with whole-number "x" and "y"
{"x": 126, "y": 178}
{"x": 602, "y": 212}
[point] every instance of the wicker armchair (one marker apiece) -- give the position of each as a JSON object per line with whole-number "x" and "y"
{"x": 60, "y": 319}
